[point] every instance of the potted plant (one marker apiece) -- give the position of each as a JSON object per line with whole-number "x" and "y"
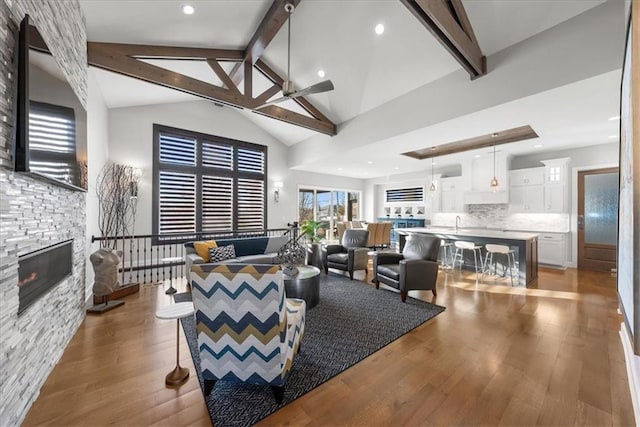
{"x": 310, "y": 229}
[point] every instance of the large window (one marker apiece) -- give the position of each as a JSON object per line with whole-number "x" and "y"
{"x": 205, "y": 183}
{"x": 327, "y": 207}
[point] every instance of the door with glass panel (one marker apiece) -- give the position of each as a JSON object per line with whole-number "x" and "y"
{"x": 597, "y": 219}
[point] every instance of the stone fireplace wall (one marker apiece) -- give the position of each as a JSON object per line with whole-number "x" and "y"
{"x": 35, "y": 214}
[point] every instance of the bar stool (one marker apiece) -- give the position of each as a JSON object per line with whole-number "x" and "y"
{"x": 462, "y": 246}
{"x": 501, "y": 250}
{"x": 447, "y": 254}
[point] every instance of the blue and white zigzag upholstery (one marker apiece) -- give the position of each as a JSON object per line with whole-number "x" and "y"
{"x": 247, "y": 330}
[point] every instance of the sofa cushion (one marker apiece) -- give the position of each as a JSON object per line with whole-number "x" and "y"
{"x": 246, "y": 246}
{"x": 341, "y": 258}
{"x": 222, "y": 253}
{"x": 202, "y": 248}
{"x": 390, "y": 270}
{"x": 275, "y": 243}
{"x": 257, "y": 259}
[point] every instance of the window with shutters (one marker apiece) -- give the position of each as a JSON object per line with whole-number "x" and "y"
{"x": 411, "y": 194}
{"x": 206, "y": 183}
{"x": 52, "y": 141}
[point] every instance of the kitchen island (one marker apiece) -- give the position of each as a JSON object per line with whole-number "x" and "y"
{"x": 525, "y": 244}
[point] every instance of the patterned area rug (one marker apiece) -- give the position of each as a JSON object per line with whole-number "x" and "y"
{"x": 352, "y": 321}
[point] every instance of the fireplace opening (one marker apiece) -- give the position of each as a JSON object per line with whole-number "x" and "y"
{"x": 41, "y": 271}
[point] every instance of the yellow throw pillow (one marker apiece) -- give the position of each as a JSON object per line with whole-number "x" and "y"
{"x": 202, "y": 248}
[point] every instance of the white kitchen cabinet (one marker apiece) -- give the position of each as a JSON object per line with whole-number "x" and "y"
{"x": 451, "y": 195}
{"x": 554, "y": 198}
{"x": 526, "y": 192}
{"x": 552, "y": 249}
{"x": 530, "y": 176}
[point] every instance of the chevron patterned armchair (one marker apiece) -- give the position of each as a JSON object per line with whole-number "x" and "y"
{"x": 248, "y": 331}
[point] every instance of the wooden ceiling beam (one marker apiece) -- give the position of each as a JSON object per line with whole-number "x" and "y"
{"x": 483, "y": 141}
{"x": 125, "y": 60}
{"x": 222, "y": 75}
{"x": 271, "y": 23}
{"x": 448, "y": 22}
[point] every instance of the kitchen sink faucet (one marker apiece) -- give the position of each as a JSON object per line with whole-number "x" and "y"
{"x": 458, "y": 219}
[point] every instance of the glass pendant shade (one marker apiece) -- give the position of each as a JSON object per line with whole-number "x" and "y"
{"x": 432, "y": 187}
{"x": 493, "y": 185}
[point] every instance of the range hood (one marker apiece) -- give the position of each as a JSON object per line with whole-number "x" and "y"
{"x": 486, "y": 197}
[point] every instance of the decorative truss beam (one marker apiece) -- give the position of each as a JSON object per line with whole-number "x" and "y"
{"x": 273, "y": 20}
{"x": 125, "y": 59}
{"x": 448, "y": 22}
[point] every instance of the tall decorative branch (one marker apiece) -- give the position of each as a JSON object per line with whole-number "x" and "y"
{"x": 117, "y": 191}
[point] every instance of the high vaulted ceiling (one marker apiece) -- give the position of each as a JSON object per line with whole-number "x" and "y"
{"x": 368, "y": 70}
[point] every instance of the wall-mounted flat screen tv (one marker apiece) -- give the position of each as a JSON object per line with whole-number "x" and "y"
{"x": 51, "y": 123}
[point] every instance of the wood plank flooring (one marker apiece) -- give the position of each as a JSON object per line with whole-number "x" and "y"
{"x": 498, "y": 355}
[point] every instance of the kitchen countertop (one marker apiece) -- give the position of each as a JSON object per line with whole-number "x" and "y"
{"x": 470, "y": 232}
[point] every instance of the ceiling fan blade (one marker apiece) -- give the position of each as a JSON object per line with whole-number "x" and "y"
{"x": 324, "y": 86}
{"x": 275, "y": 101}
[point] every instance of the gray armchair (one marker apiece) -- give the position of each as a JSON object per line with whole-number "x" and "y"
{"x": 416, "y": 268}
{"x": 351, "y": 255}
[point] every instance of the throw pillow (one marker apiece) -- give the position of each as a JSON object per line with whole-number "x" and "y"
{"x": 222, "y": 253}
{"x": 202, "y": 248}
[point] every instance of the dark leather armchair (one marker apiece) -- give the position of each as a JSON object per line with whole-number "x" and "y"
{"x": 350, "y": 255}
{"x": 416, "y": 268}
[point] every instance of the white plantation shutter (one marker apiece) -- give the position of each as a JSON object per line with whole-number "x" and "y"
{"x": 217, "y": 203}
{"x": 250, "y": 204}
{"x": 177, "y": 150}
{"x": 177, "y": 203}
{"x": 52, "y": 141}
{"x": 217, "y": 155}
{"x": 207, "y": 183}
{"x": 250, "y": 160}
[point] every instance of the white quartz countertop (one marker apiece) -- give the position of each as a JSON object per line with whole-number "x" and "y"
{"x": 470, "y": 232}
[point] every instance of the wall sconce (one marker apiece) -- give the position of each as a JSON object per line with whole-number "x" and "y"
{"x": 276, "y": 194}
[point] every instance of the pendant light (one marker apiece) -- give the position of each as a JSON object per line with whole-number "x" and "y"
{"x": 433, "y": 187}
{"x": 494, "y": 181}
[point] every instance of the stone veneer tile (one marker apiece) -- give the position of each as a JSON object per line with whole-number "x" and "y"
{"x": 35, "y": 214}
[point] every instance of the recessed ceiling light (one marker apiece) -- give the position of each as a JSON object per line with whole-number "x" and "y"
{"x": 613, "y": 136}
{"x": 537, "y": 146}
{"x": 379, "y": 29}
{"x": 477, "y": 156}
{"x": 339, "y": 169}
{"x": 396, "y": 168}
{"x": 369, "y": 162}
{"x": 188, "y": 9}
{"x": 321, "y": 73}
{"x": 614, "y": 118}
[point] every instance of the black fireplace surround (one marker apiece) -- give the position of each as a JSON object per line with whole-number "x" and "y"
{"x": 41, "y": 270}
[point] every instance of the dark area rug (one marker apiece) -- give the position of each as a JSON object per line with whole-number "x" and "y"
{"x": 352, "y": 321}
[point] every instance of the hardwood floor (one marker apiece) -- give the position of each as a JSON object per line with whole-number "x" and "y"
{"x": 498, "y": 355}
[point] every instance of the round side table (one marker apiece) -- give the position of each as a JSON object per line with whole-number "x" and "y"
{"x": 176, "y": 311}
{"x": 171, "y": 263}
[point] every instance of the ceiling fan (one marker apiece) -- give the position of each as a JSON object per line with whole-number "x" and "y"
{"x": 287, "y": 87}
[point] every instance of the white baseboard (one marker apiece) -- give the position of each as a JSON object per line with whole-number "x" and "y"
{"x": 633, "y": 371}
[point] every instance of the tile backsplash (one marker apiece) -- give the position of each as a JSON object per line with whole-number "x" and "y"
{"x": 498, "y": 216}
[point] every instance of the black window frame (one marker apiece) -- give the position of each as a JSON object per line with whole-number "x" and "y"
{"x": 199, "y": 170}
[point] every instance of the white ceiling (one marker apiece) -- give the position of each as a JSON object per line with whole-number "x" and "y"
{"x": 367, "y": 70}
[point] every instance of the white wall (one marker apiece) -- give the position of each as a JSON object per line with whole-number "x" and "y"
{"x": 131, "y": 143}
{"x": 98, "y": 150}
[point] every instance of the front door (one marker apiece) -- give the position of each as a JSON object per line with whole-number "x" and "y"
{"x": 597, "y": 219}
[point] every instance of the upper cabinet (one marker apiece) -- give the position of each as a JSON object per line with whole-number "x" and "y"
{"x": 540, "y": 190}
{"x": 526, "y": 190}
{"x": 451, "y": 195}
{"x": 555, "y": 185}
